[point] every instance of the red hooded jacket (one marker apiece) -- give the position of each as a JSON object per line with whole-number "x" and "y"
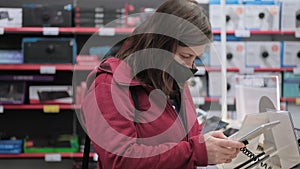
{"x": 157, "y": 141}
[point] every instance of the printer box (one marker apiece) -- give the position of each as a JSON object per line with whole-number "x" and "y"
{"x": 49, "y": 50}
{"x": 235, "y": 54}
{"x": 261, "y": 17}
{"x": 291, "y": 54}
{"x": 234, "y": 17}
{"x": 11, "y": 17}
{"x": 290, "y": 15}
{"x": 50, "y": 94}
{"x": 263, "y": 54}
{"x": 291, "y": 85}
{"x": 38, "y": 15}
{"x": 215, "y": 86}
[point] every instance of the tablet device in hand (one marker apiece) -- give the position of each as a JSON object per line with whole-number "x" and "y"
{"x": 258, "y": 131}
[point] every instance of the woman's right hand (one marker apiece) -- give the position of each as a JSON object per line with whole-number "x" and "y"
{"x": 220, "y": 149}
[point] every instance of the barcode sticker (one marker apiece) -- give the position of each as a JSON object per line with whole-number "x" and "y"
{"x": 47, "y": 70}
{"x": 1, "y": 109}
{"x": 107, "y": 31}
{"x": 242, "y": 33}
{"x": 52, "y": 157}
{"x": 51, "y": 108}
{"x": 1, "y": 31}
{"x": 50, "y": 31}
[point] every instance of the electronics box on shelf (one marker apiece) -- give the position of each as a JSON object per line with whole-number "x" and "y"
{"x": 11, "y": 146}
{"x": 235, "y": 54}
{"x": 11, "y": 57}
{"x": 291, "y": 85}
{"x": 198, "y": 86}
{"x": 12, "y": 92}
{"x": 263, "y": 54}
{"x": 59, "y": 144}
{"x": 38, "y": 15}
{"x": 261, "y": 17}
{"x": 234, "y": 17}
{"x": 290, "y": 15}
{"x": 11, "y": 17}
{"x": 50, "y": 95}
{"x": 214, "y": 85}
{"x": 260, "y": 2}
{"x": 291, "y": 54}
{"x": 13, "y": 87}
{"x": 49, "y": 50}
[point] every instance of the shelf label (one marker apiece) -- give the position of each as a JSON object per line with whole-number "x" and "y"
{"x": 296, "y": 70}
{"x": 50, "y": 31}
{"x": 51, "y": 108}
{"x": 201, "y": 70}
{"x": 229, "y": 101}
{"x": 47, "y": 70}
{"x": 1, "y": 109}
{"x": 297, "y": 101}
{"x": 107, "y": 31}
{"x": 95, "y": 157}
{"x": 297, "y": 33}
{"x": 246, "y": 71}
{"x": 242, "y": 33}
{"x": 52, "y": 157}
{"x": 1, "y": 31}
{"x": 199, "y": 100}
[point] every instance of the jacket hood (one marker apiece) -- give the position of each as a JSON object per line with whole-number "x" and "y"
{"x": 120, "y": 70}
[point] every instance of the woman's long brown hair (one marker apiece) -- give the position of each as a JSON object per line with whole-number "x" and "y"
{"x": 145, "y": 37}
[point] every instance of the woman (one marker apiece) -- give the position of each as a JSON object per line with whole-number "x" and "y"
{"x": 161, "y": 131}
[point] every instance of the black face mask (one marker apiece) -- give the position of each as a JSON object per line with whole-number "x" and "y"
{"x": 180, "y": 73}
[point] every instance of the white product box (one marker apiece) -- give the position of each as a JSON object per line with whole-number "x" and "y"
{"x": 261, "y": 17}
{"x": 215, "y": 87}
{"x": 198, "y": 86}
{"x": 291, "y": 54}
{"x": 234, "y": 17}
{"x": 10, "y": 17}
{"x": 263, "y": 54}
{"x": 51, "y": 94}
{"x": 235, "y": 54}
{"x": 290, "y": 15}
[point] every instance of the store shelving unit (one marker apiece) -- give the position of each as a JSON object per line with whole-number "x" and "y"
{"x": 42, "y": 155}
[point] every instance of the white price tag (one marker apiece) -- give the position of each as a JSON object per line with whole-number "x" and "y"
{"x": 199, "y": 100}
{"x": 230, "y": 101}
{"x": 47, "y": 70}
{"x": 296, "y": 70}
{"x": 52, "y": 157}
{"x": 246, "y": 71}
{"x": 1, "y": 109}
{"x": 201, "y": 71}
{"x": 242, "y": 33}
{"x": 107, "y": 31}
{"x": 297, "y": 33}
{"x": 50, "y": 31}
{"x": 95, "y": 157}
{"x": 1, "y": 31}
